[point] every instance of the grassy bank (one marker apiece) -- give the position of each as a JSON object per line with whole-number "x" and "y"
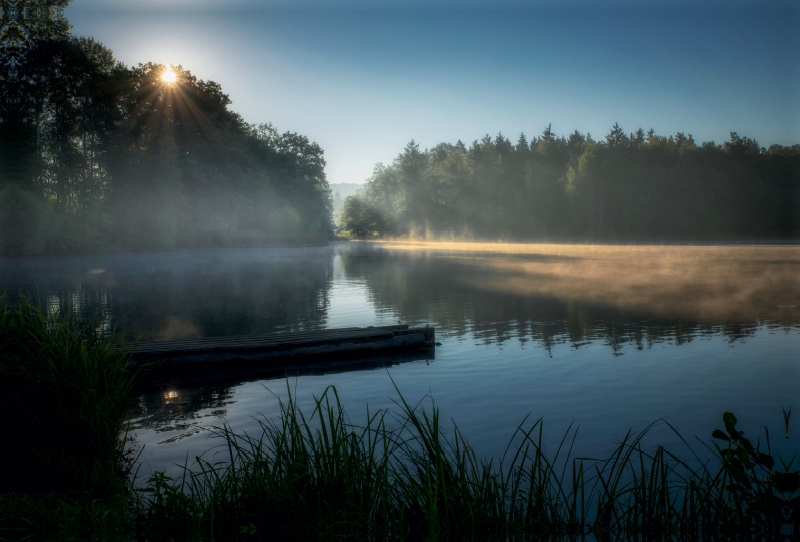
{"x": 64, "y": 398}
{"x": 317, "y": 476}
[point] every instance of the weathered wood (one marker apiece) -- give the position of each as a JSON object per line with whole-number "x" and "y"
{"x": 255, "y": 341}
{"x": 279, "y": 349}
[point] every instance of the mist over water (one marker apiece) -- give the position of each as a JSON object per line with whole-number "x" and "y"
{"x": 184, "y": 294}
{"x": 611, "y": 337}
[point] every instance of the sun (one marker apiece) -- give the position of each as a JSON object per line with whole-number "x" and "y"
{"x": 168, "y": 76}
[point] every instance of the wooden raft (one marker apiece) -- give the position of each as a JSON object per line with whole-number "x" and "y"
{"x": 280, "y": 347}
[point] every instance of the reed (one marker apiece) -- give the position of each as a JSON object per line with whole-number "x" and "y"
{"x": 318, "y": 476}
{"x": 65, "y": 393}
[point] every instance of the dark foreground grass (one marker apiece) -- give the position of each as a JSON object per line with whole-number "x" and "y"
{"x": 64, "y": 397}
{"x": 322, "y": 478}
{"x": 317, "y": 476}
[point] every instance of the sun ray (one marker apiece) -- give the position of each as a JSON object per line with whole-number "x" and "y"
{"x": 179, "y": 105}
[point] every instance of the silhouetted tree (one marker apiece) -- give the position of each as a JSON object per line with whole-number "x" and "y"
{"x": 95, "y": 153}
{"x": 638, "y": 187}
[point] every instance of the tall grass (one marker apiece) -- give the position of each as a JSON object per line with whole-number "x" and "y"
{"x": 65, "y": 393}
{"x": 318, "y": 476}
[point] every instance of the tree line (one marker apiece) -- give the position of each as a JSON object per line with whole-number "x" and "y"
{"x": 96, "y": 155}
{"x": 626, "y": 187}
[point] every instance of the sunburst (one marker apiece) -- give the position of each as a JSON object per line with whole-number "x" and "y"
{"x": 168, "y": 76}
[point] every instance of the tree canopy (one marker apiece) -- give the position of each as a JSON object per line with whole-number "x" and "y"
{"x": 99, "y": 155}
{"x": 626, "y": 187}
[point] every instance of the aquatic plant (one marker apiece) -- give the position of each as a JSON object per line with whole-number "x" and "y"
{"x": 402, "y": 475}
{"x": 65, "y": 393}
{"x": 407, "y": 478}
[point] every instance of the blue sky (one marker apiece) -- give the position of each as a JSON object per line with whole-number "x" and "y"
{"x": 363, "y": 78}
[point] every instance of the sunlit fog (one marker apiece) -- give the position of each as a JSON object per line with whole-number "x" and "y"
{"x": 400, "y": 270}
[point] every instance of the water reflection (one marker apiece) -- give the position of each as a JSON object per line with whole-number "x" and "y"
{"x": 183, "y": 295}
{"x": 562, "y": 294}
{"x": 549, "y": 294}
{"x": 184, "y": 403}
{"x": 180, "y": 411}
{"x": 498, "y": 309}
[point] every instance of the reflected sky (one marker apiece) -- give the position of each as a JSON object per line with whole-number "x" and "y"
{"x": 185, "y": 294}
{"x": 704, "y": 285}
{"x": 611, "y": 337}
{"x": 637, "y": 295}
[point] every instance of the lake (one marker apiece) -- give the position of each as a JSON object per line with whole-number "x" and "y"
{"x": 608, "y": 337}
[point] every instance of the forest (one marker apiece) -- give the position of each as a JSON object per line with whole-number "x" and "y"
{"x": 633, "y": 187}
{"x": 96, "y": 155}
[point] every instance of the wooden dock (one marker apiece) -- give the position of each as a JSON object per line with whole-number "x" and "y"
{"x": 276, "y": 350}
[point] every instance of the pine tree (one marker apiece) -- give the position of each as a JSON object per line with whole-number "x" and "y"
{"x": 616, "y": 138}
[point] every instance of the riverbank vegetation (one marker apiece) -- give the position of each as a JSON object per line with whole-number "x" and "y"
{"x": 96, "y": 155}
{"x": 65, "y": 393}
{"x": 637, "y": 186}
{"x": 316, "y": 475}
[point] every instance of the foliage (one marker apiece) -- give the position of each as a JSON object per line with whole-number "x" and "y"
{"x": 323, "y": 478}
{"x": 126, "y": 160}
{"x": 628, "y": 187}
{"x": 62, "y": 381}
{"x": 359, "y": 219}
{"x": 65, "y": 392}
{"x": 400, "y": 476}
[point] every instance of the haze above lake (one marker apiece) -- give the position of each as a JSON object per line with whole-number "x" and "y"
{"x": 611, "y": 337}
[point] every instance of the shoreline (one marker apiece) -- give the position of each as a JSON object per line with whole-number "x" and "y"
{"x": 421, "y": 242}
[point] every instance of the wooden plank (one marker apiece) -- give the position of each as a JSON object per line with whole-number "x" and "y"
{"x": 271, "y": 337}
{"x": 251, "y": 338}
{"x": 260, "y": 348}
{"x": 260, "y": 356}
{"x": 234, "y": 339}
{"x": 254, "y": 342}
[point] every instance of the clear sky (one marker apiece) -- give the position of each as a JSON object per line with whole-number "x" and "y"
{"x": 362, "y": 78}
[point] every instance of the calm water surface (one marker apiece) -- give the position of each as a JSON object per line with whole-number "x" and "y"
{"x": 612, "y": 338}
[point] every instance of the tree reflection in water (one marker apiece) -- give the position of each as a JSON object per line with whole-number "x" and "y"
{"x": 180, "y": 295}
{"x": 611, "y": 299}
{"x": 573, "y": 294}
